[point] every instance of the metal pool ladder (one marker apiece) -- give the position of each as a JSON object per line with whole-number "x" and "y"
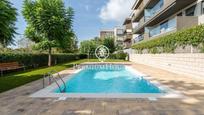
{"x": 50, "y": 77}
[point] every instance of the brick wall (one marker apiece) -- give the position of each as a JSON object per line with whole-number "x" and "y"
{"x": 190, "y": 64}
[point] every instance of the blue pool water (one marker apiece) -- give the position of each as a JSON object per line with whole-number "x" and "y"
{"x": 108, "y": 81}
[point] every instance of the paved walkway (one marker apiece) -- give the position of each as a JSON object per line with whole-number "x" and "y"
{"x": 18, "y": 102}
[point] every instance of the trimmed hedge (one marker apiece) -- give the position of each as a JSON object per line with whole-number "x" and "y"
{"x": 193, "y": 36}
{"x": 119, "y": 55}
{"x": 39, "y": 60}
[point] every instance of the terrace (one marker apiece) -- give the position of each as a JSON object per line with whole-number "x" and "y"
{"x": 49, "y": 73}
{"x": 18, "y": 101}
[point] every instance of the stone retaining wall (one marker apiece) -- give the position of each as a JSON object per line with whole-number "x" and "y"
{"x": 190, "y": 64}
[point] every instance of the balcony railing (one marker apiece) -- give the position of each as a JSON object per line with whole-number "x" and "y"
{"x": 140, "y": 24}
{"x": 176, "y": 23}
{"x": 138, "y": 12}
{"x": 149, "y": 13}
{"x": 139, "y": 38}
{"x": 162, "y": 28}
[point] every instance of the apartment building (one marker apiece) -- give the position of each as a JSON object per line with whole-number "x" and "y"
{"x": 119, "y": 36}
{"x": 106, "y": 33}
{"x": 127, "y": 33}
{"x": 155, "y": 18}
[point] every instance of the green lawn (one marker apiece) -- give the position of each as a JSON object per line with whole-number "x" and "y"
{"x": 16, "y": 79}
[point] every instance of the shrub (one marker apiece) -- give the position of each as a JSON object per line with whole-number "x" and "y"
{"x": 193, "y": 36}
{"x": 119, "y": 55}
{"x": 38, "y": 59}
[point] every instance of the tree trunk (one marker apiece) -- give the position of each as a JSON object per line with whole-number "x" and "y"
{"x": 50, "y": 57}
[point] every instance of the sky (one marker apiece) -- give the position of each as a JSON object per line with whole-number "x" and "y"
{"x": 91, "y": 16}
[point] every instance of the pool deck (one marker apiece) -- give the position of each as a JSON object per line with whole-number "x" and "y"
{"x": 19, "y": 102}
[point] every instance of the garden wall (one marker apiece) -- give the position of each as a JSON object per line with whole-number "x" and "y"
{"x": 190, "y": 64}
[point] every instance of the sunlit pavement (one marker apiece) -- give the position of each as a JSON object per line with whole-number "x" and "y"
{"x": 18, "y": 102}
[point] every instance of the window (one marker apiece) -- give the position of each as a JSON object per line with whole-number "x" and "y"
{"x": 154, "y": 31}
{"x": 164, "y": 26}
{"x": 191, "y": 11}
{"x": 171, "y": 24}
{"x": 149, "y": 13}
{"x": 157, "y": 7}
{"x": 161, "y": 3}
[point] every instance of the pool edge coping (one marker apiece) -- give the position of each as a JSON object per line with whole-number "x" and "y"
{"x": 47, "y": 92}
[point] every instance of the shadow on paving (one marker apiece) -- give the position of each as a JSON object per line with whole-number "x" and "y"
{"x": 18, "y": 102}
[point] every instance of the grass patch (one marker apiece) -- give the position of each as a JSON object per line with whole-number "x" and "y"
{"x": 16, "y": 79}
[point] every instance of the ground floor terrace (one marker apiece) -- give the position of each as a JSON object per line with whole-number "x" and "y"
{"x": 18, "y": 101}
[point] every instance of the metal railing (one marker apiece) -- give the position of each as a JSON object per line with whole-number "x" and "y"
{"x": 50, "y": 77}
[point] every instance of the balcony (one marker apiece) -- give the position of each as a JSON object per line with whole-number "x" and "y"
{"x": 127, "y": 31}
{"x": 146, "y": 2}
{"x": 186, "y": 21}
{"x": 139, "y": 38}
{"x": 168, "y": 8}
{"x": 154, "y": 8}
{"x": 139, "y": 12}
{"x": 127, "y": 45}
{"x": 172, "y": 25}
{"x": 119, "y": 32}
{"x": 128, "y": 38}
{"x": 162, "y": 28}
{"x": 127, "y": 23}
{"x": 138, "y": 29}
{"x": 140, "y": 7}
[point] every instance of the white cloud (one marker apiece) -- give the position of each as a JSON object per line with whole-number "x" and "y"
{"x": 116, "y": 10}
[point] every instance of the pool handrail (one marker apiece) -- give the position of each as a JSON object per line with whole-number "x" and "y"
{"x": 54, "y": 71}
{"x": 50, "y": 75}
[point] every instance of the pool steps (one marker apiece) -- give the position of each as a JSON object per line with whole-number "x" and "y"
{"x": 50, "y": 76}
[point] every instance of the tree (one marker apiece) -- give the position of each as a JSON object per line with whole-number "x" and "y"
{"x": 49, "y": 24}
{"x": 110, "y": 44}
{"x": 71, "y": 46}
{"x": 7, "y": 23}
{"x": 24, "y": 43}
{"x": 88, "y": 46}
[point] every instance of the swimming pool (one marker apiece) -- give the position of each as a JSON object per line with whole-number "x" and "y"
{"x": 115, "y": 81}
{"x": 109, "y": 80}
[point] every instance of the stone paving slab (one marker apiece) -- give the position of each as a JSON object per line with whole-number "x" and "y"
{"x": 18, "y": 102}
